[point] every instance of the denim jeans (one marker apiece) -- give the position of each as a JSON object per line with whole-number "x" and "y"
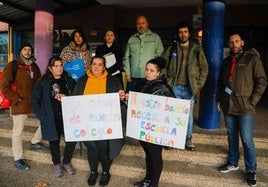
{"x": 184, "y": 92}
{"x": 243, "y": 125}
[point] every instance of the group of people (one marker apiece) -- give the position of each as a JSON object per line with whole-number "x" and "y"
{"x": 180, "y": 71}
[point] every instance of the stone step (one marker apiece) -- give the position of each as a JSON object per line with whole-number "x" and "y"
{"x": 181, "y": 167}
{"x": 218, "y": 137}
{"x": 186, "y": 170}
{"x": 208, "y": 152}
{"x": 120, "y": 177}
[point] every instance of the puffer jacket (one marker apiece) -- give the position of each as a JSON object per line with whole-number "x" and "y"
{"x": 197, "y": 67}
{"x": 249, "y": 83}
{"x": 158, "y": 86}
{"x": 20, "y": 100}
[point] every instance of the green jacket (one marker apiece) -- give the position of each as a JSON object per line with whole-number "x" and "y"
{"x": 197, "y": 69}
{"x": 240, "y": 96}
{"x": 139, "y": 51}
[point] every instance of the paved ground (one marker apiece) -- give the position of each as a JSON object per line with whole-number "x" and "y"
{"x": 181, "y": 168}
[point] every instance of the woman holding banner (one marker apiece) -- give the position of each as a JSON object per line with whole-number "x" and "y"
{"x": 154, "y": 83}
{"x": 98, "y": 81}
{"x": 46, "y": 104}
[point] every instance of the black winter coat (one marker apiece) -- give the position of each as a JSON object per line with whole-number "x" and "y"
{"x": 42, "y": 106}
{"x": 158, "y": 86}
{"x": 112, "y": 86}
{"x": 104, "y": 50}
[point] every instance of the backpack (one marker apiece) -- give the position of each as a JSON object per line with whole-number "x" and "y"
{"x": 4, "y": 102}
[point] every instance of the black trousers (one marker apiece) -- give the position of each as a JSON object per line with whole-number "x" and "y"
{"x": 98, "y": 151}
{"x": 54, "y": 147}
{"x": 154, "y": 161}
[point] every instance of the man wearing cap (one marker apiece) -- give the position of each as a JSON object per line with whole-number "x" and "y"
{"x": 24, "y": 76}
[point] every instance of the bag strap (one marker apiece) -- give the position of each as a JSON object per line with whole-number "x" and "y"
{"x": 14, "y": 69}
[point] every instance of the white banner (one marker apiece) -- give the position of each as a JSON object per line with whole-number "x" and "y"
{"x": 92, "y": 117}
{"x": 157, "y": 119}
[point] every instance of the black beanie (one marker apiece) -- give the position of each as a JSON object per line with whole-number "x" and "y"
{"x": 25, "y": 44}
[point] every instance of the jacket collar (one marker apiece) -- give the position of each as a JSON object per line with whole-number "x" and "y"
{"x": 148, "y": 33}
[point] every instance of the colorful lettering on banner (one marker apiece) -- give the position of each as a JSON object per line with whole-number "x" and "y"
{"x": 157, "y": 119}
{"x": 92, "y": 117}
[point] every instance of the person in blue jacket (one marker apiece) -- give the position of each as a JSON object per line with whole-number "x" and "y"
{"x": 46, "y": 104}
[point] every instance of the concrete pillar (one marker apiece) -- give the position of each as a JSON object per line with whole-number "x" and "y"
{"x": 213, "y": 43}
{"x": 43, "y": 32}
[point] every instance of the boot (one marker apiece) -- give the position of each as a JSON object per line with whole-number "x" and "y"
{"x": 144, "y": 183}
{"x": 92, "y": 178}
{"x": 189, "y": 144}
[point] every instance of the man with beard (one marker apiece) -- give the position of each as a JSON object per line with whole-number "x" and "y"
{"x": 141, "y": 47}
{"x": 186, "y": 71}
{"x": 241, "y": 83}
{"x": 26, "y": 74}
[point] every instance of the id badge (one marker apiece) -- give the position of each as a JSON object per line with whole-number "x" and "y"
{"x": 228, "y": 90}
{"x": 31, "y": 75}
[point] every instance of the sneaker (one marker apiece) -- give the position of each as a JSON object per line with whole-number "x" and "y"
{"x": 21, "y": 165}
{"x": 105, "y": 178}
{"x": 38, "y": 146}
{"x": 58, "y": 170}
{"x": 144, "y": 183}
{"x": 251, "y": 179}
{"x": 228, "y": 167}
{"x": 92, "y": 178}
{"x": 69, "y": 168}
{"x": 189, "y": 144}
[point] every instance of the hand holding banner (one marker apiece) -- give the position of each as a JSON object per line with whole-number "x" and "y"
{"x": 92, "y": 117}
{"x": 157, "y": 119}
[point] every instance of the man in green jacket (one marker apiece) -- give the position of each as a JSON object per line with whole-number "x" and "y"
{"x": 186, "y": 71}
{"x": 141, "y": 47}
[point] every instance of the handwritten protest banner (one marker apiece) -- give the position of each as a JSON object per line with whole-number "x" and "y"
{"x": 92, "y": 117}
{"x": 157, "y": 119}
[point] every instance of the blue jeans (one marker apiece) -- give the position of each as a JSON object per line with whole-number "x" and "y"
{"x": 184, "y": 92}
{"x": 243, "y": 125}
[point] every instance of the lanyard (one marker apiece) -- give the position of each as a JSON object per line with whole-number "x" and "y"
{"x": 233, "y": 63}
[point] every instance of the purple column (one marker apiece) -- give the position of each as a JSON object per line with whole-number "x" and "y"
{"x": 43, "y": 32}
{"x": 213, "y": 42}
